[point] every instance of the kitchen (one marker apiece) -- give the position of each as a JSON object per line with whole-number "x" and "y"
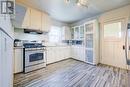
{"x": 65, "y": 43}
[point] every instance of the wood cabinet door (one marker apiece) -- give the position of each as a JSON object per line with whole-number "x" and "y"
{"x": 66, "y": 33}
{"x": 26, "y": 20}
{"x": 46, "y": 22}
{"x": 35, "y": 19}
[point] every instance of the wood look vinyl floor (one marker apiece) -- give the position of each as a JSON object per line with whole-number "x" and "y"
{"x": 72, "y": 73}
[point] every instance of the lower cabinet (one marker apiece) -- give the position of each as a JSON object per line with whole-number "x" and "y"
{"x": 50, "y": 55}
{"x": 78, "y": 53}
{"x": 55, "y": 54}
{"x": 18, "y": 60}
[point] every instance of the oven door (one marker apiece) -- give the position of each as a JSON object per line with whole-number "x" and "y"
{"x": 34, "y": 57}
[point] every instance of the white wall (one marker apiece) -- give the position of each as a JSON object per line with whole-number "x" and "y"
{"x": 58, "y": 23}
{"x": 19, "y": 33}
{"x": 115, "y": 13}
{"x": 83, "y": 21}
{"x": 5, "y": 23}
{"x": 123, "y": 12}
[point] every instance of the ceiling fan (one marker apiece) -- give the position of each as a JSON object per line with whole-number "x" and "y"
{"x": 83, "y": 3}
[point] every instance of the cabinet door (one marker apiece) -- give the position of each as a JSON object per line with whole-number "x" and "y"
{"x": 18, "y": 60}
{"x": 49, "y": 55}
{"x": 81, "y": 34}
{"x": 67, "y": 52}
{"x": 76, "y": 53}
{"x": 72, "y": 52}
{"x": 20, "y": 17}
{"x": 72, "y": 33}
{"x": 81, "y": 54}
{"x": 6, "y": 61}
{"x": 64, "y": 53}
{"x": 26, "y": 20}
{"x": 57, "y": 52}
{"x": 46, "y": 22}
{"x": 66, "y": 33}
{"x": 76, "y": 33}
{"x": 35, "y": 19}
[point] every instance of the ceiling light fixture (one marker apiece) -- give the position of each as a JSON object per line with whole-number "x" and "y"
{"x": 83, "y": 3}
{"x": 67, "y": 1}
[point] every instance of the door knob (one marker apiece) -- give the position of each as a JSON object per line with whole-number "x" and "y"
{"x": 123, "y": 47}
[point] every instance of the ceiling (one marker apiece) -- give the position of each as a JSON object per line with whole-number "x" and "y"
{"x": 70, "y": 13}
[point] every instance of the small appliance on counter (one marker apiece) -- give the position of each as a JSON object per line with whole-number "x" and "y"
{"x": 18, "y": 43}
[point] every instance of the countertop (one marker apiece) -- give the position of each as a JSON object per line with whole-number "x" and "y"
{"x": 55, "y": 46}
{"x": 18, "y": 47}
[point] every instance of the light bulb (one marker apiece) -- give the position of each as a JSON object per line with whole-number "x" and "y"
{"x": 67, "y": 1}
{"x": 78, "y": 4}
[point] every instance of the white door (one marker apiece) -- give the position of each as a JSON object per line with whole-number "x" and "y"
{"x": 113, "y": 41}
{"x": 6, "y": 61}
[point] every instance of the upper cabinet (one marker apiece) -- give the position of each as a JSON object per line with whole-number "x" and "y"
{"x": 92, "y": 42}
{"x": 66, "y": 33}
{"x": 21, "y": 16}
{"x": 29, "y": 18}
{"x": 77, "y": 32}
{"x": 26, "y": 19}
{"x": 46, "y": 22}
{"x": 35, "y": 19}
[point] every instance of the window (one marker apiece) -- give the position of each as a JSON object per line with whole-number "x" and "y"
{"x": 112, "y": 30}
{"x": 55, "y": 34}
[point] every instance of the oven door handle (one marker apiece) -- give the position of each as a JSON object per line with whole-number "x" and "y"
{"x": 34, "y": 49}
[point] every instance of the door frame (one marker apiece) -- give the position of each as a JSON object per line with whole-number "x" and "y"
{"x": 123, "y": 19}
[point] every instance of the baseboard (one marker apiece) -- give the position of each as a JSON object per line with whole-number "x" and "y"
{"x": 58, "y": 61}
{"x": 128, "y": 78}
{"x": 114, "y": 66}
{"x": 66, "y": 59}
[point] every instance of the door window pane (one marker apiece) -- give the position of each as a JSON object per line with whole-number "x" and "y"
{"x": 89, "y": 40}
{"x": 112, "y": 30}
{"x": 81, "y": 32}
{"x": 76, "y": 35}
{"x": 89, "y": 56}
{"x": 89, "y": 27}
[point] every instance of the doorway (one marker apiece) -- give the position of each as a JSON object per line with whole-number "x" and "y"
{"x": 113, "y": 43}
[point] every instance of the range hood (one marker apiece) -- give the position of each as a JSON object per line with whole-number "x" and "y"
{"x": 31, "y": 31}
